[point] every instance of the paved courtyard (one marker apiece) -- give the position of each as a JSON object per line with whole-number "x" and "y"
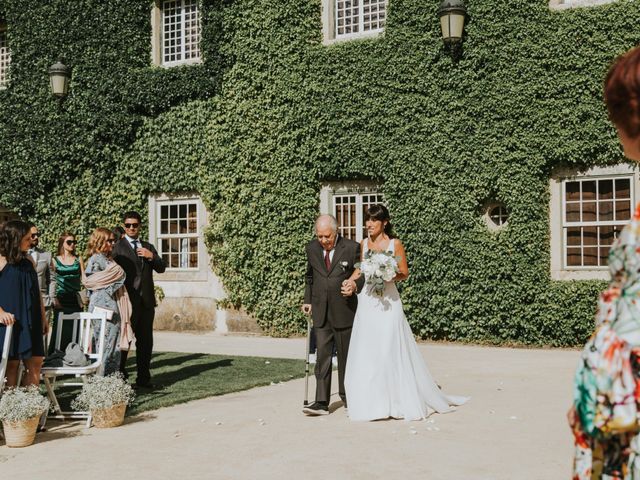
{"x": 512, "y": 428}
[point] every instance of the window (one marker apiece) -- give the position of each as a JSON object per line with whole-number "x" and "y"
{"x": 346, "y": 19}
{"x": 594, "y": 213}
{"x": 498, "y": 215}
{"x": 587, "y": 212}
{"x": 349, "y": 203}
{"x": 176, "y": 32}
{"x": 178, "y": 233}
{"x": 5, "y": 56}
{"x": 495, "y": 215}
{"x": 564, "y": 4}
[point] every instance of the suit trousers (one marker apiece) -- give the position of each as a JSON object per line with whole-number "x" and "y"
{"x": 142, "y": 324}
{"x": 325, "y": 338}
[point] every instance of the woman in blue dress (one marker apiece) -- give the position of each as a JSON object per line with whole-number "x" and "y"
{"x": 20, "y": 296}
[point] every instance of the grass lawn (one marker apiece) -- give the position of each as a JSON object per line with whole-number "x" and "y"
{"x": 190, "y": 376}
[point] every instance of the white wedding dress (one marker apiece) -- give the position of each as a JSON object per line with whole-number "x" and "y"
{"x": 386, "y": 375}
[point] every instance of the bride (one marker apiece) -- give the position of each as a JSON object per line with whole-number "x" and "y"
{"x": 386, "y": 375}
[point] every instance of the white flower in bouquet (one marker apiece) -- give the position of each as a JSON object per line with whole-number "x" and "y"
{"x": 378, "y": 267}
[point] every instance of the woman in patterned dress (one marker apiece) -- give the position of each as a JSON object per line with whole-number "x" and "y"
{"x": 106, "y": 296}
{"x": 604, "y": 417}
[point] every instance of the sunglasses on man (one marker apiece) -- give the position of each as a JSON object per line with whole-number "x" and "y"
{"x": 131, "y": 225}
{"x": 71, "y": 242}
{"x": 35, "y": 235}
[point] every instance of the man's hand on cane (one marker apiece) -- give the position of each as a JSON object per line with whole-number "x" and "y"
{"x": 306, "y": 309}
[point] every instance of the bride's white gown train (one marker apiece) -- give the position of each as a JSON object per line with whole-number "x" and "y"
{"x": 386, "y": 375}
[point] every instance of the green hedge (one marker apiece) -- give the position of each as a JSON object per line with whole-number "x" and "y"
{"x": 272, "y": 113}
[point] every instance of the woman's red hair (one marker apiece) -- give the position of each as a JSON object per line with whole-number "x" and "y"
{"x": 622, "y": 92}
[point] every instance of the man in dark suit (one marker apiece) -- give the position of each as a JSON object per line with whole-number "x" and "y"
{"x": 330, "y": 298}
{"x": 139, "y": 259}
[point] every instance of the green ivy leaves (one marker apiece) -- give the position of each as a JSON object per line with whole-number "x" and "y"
{"x": 271, "y": 113}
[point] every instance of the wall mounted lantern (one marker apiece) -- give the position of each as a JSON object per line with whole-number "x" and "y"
{"x": 452, "y": 14}
{"x": 59, "y": 75}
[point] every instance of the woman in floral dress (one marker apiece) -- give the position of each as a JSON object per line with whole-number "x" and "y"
{"x": 604, "y": 416}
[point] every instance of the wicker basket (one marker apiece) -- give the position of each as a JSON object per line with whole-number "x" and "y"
{"x": 109, "y": 417}
{"x": 20, "y": 434}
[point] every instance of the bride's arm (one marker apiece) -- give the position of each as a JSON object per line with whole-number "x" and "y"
{"x": 352, "y": 281}
{"x": 403, "y": 268}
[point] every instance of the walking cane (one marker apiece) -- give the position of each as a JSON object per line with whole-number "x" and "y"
{"x": 306, "y": 364}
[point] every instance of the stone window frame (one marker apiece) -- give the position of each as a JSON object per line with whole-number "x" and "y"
{"x": 180, "y": 274}
{"x": 487, "y": 217}
{"x": 329, "y": 33}
{"x": 567, "y": 4}
{"x": 558, "y": 269}
{"x": 5, "y": 55}
{"x": 157, "y": 50}
{"x": 362, "y": 191}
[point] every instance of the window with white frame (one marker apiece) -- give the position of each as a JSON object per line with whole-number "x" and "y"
{"x": 5, "y": 55}
{"x": 177, "y": 32}
{"x": 350, "y": 208}
{"x": 178, "y": 233}
{"x": 594, "y": 211}
{"x": 564, "y": 4}
{"x": 346, "y": 19}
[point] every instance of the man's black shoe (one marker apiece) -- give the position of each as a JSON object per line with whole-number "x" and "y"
{"x": 316, "y": 409}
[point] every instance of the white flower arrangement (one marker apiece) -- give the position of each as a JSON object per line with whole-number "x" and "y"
{"x": 104, "y": 392}
{"x": 378, "y": 267}
{"x": 22, "y": 403}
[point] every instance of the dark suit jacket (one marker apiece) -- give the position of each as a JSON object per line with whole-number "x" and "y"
{"x": 139, "y": 272}
{"x": 322, "y": 289}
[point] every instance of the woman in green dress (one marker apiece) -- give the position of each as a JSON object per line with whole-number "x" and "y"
{"x": 67, "y": 271}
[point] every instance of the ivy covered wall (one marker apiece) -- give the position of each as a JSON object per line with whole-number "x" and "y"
{"x": 271, "y": 113}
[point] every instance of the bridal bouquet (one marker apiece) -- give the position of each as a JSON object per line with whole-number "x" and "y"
{"x": 378, "y": 267}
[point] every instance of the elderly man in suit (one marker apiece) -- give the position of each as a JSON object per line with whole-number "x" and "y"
{"x": 42, "y": 262}
{"x": 330, "y": 298}
{"x": 139, "y": 259}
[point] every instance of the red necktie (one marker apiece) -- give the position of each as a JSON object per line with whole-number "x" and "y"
{"x": 327, "y": 260}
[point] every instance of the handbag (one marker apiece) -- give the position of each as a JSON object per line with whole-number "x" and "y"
{"x": 83, "y": 298}
{"x": 74, "y": 356}
{"x": 108, "y": 313}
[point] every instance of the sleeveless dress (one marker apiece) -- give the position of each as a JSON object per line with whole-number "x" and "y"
{"x": 386, "y": 375}
{"x": 20, "y": 295}
{"x": 67, "y": 288}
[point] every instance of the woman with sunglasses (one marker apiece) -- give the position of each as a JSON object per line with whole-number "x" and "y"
{"x": 104, "y": 280}
{"x": 66, "y": 274}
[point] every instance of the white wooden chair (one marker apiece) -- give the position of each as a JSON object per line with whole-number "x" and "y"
{"x": 4, "y": 359}
{"x": 82, "y": 334}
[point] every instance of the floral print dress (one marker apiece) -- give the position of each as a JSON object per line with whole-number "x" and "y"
{"x": 607, "y": 382}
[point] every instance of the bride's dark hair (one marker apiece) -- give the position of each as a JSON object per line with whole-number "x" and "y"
{"x": 381, "y": 213}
